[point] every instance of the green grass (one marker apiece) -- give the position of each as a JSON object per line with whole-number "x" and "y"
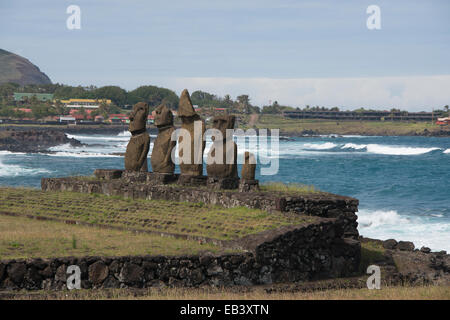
{"x": 23, "y": 238}
{"x": 288, "y": 188}
{"x": 371, "y": 253}
{"x": 183, "y": 218}
{"x": 292, "y": 126}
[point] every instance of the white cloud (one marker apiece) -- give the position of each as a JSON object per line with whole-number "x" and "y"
{"x": 413, "y": 93}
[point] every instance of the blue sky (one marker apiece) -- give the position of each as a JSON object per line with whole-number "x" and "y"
{"x": 296, "y": 52}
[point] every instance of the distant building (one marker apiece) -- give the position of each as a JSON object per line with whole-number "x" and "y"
{"x": 220, "y": 110}
{"x": 360, "y": 115}
{"x": 118, "y": 118}
{"x": 23, "y": 97}
{"x": 85, "y": 103}
{"x": 67, "y": 119}
{"x": 443, "y": 121}
{"x": 25, "y": 110}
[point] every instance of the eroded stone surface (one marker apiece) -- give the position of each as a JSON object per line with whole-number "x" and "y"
{"x": 161, "y": 157}
{"x": 249, "y": 166}
{"x": 139, "y": 144}
{"x": 222, "y": 158}
{"x": 191, "y": 138}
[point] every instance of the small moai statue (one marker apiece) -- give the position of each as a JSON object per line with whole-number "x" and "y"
{"x": 248, "y": 167}
{"x": 222, "y": 157}
{"x": 248, "y": 182}
{"x": 195, "y": 126}
{"x": 139, "y": 144}
{"x": 161, "y": 157}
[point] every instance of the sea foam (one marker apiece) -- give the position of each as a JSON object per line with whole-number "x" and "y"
{"x": 389, "y": 149}
{"x": 431, "y": 231}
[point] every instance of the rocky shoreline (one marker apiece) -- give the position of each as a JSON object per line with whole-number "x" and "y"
{"x": 307, "y": 133}
{"x": 33, "y": 141}
{"x": 402, "y": 263}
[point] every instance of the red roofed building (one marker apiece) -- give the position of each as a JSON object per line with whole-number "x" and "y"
{"x": 220, "y": 110}
{"x": 26, "y": 110}
{"x": 118, "y": 118}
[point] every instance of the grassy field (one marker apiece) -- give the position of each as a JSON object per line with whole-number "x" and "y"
{"x": 289, "y": 188}
{"x": 194, "y": 219}
{"x": 254, "y": 293}
{"x": 293, "y": 126}
{"x": 29, "y": 238}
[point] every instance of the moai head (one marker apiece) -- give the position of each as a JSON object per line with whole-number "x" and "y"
{"x": 163, "y": 116}
{"x": 138, "y": 117}
{"x": 185, "y": 108}
{"x": 222, "y": 123}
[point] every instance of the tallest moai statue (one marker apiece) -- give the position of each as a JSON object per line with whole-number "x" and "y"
{"x": 193, "y": 144}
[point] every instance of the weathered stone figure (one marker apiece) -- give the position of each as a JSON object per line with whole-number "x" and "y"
{"x": 138, "y": 146}
{"x": 161, "y": 157}
{"x": 249, "y": 166}
{"x": 224, "y": 166}
{"x": 190, "y": 120}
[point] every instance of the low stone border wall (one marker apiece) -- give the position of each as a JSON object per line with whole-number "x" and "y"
{"x": 289, "y": 254}
{"x": 327, "y": 247}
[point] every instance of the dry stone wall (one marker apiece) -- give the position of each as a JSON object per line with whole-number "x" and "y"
{"x": 326, "y": 247}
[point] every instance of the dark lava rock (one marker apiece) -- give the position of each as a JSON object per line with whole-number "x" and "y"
{"x": 405, "y": 246}
{"x": 2, "y": 271}
{"x": 390, "y": 244}
{"x": 34, "y": 140}
{"x": 131, "y": 274}
{"x": 98, "y": 272}
{"x": 111, "y": 282}
{"x": 425, "y": 250}
{"x": 16, "y": 272}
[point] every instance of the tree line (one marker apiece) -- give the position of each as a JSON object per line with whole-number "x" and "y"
{"x": 153, "y": 95}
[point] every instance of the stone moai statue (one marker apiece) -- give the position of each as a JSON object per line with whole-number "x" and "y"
{"x": 248, "y": 167}
{"x": 138, "y": 146}
{"x": 222, "y": 157}
{"x": 248, "y": 182}
{"x": 161, "y": 157}
{"x": 195, "y": 126}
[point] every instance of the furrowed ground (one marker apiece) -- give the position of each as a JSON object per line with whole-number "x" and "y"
{"x": 23, "y": 238}
{"x": 181, "y": 218}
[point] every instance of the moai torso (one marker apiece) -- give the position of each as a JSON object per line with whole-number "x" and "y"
{"x": 161, "y": 157}
{"x": 249, "y": 167}
{"x": 139, "y": 144}
{"x": 224, "y": 166}
{"x": 190, "y": 121}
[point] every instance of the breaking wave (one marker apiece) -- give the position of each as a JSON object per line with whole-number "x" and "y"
{"x": 432, "y": 231}
{"x": 13, "y": 170}
{"x": 320, "y": 146}
{"x": 389, "y": 150}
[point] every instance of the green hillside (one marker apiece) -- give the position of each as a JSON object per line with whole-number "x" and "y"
{"x": 14, "y": 68}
